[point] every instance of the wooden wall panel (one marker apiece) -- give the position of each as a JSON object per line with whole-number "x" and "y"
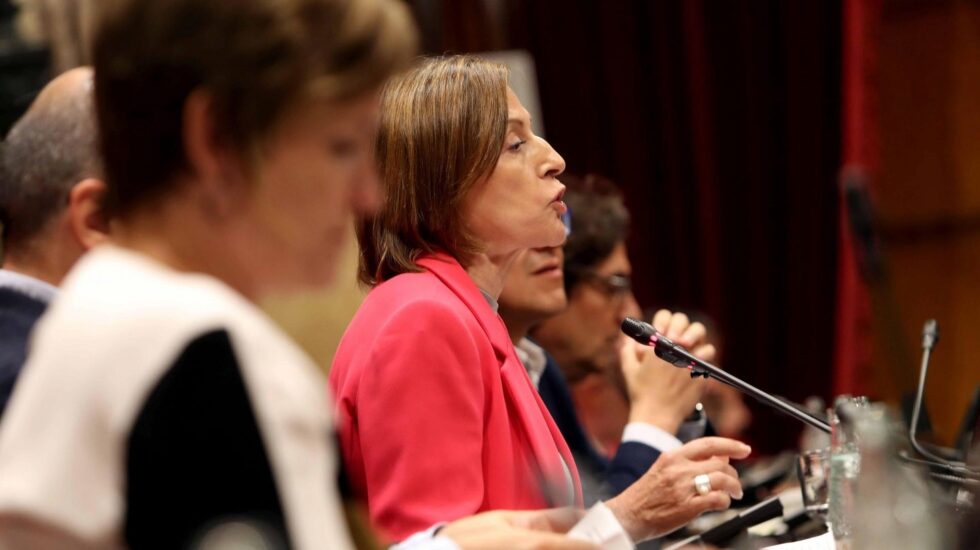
{"x": 928, "y": 196}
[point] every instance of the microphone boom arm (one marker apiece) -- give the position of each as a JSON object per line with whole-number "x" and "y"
{"x": 676, "y": 355}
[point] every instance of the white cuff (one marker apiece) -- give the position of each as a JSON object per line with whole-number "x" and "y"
{"x": 427, "y": 540}
{"x": 601, "y": 527}
{"x": 651, "y": 436}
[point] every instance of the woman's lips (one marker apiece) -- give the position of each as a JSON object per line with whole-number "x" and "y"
{"x": 549, "y": 270}
{"x": 560, "y": 205}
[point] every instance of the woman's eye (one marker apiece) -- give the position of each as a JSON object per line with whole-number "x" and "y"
{"x": 516, "y": 146}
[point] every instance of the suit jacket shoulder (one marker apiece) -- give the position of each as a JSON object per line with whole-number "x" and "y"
{"x": 18, "y": 315}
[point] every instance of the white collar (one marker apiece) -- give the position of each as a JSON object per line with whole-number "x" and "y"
{"x": 533, "y": 358}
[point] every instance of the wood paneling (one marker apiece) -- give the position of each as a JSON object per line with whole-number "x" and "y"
{"x": 928, "y": 196}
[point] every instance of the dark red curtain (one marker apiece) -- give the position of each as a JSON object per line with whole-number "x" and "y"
{"x": 859, "y": 150}
{"x": 721, "y": 121}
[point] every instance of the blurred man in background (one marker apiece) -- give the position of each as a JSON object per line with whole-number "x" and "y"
{"x": 572, "y": 302}
{"x": 50, "y": 207}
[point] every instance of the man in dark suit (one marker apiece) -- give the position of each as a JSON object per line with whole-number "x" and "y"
{"x": 587, "y": 291}
{"x": 50, "y": 209}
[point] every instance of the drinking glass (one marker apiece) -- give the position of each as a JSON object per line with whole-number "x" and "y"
{"x": 813, "y": 470}
{"x": 845, "y": 464}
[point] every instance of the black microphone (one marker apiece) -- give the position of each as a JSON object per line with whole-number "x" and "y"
{"x": 676, "y": 355}
{"x": 638, "y": 330}
{"x": 860, "y": 214}
{"x": 664, "y": 347}
{"x": 723, "y": 533}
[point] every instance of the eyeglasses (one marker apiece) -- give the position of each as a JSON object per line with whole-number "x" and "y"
{"x": 614, "y": 286}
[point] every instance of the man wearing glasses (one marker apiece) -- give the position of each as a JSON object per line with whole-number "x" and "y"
{"x": 563, "y": 308}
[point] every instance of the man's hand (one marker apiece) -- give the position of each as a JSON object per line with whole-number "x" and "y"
{"x": 525, "y": 530}
{"x": 660, "y": 393}
{"x": 665, "y": 498}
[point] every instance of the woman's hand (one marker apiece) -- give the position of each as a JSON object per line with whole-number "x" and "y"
{"x": 665, "y": 497}
{"x": 662, "y": 394}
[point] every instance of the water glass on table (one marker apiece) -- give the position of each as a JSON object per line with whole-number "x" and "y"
{"x": 845, "y": 463}
{"x": 813, "y": 471}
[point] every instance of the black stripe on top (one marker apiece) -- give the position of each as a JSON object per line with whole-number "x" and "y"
{"x": 196, "y": 462}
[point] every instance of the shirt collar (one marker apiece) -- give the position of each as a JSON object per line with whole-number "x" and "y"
{"x": 533, "y": 358}
{"x": 27, "y": 285}
{"x": 490, "y": 300}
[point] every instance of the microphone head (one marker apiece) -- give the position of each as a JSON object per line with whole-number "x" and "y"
{"x": 860, "y": 214}
{"x": 930, "y": 333}
{"x": 638, "y": 330}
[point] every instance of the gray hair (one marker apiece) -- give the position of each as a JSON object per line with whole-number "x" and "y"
{"x": 50, "y": 149}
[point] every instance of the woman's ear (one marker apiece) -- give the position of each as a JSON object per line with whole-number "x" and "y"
{"x": 201, "y": 143}
{"x": 86, "y": 213}
{"x": 214, "y": 164}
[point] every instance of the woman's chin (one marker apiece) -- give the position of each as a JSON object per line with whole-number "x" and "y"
{"x": 559, "y": 237}
{"x": 546, "y": 238}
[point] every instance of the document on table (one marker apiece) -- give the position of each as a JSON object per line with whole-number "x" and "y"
{"x": 823, "y": 542}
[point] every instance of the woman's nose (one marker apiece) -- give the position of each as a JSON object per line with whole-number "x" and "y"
{"x": 553, "y": 164}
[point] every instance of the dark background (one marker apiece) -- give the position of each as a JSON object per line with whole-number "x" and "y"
{"x": 23, "y": 70}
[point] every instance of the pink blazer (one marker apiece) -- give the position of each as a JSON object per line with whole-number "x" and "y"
{"x": 437, "y": 416}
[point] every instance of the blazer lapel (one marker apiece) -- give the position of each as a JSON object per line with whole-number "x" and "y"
{"x": 543, "y": 435}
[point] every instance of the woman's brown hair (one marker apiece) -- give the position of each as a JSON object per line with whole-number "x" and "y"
{"x": 442, "y": 129}
{"x": 255, "y": 58}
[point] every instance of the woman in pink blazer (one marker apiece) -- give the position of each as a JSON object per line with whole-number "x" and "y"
{"x": 437, "y": 416}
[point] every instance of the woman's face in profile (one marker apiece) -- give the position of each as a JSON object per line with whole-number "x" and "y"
{"x": 316, "y": 169}
{"x": 520, "y": 204}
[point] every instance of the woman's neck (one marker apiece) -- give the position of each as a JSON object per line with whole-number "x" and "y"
{"x": 181, "y": 237}
{"x": 490, "y": 271}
